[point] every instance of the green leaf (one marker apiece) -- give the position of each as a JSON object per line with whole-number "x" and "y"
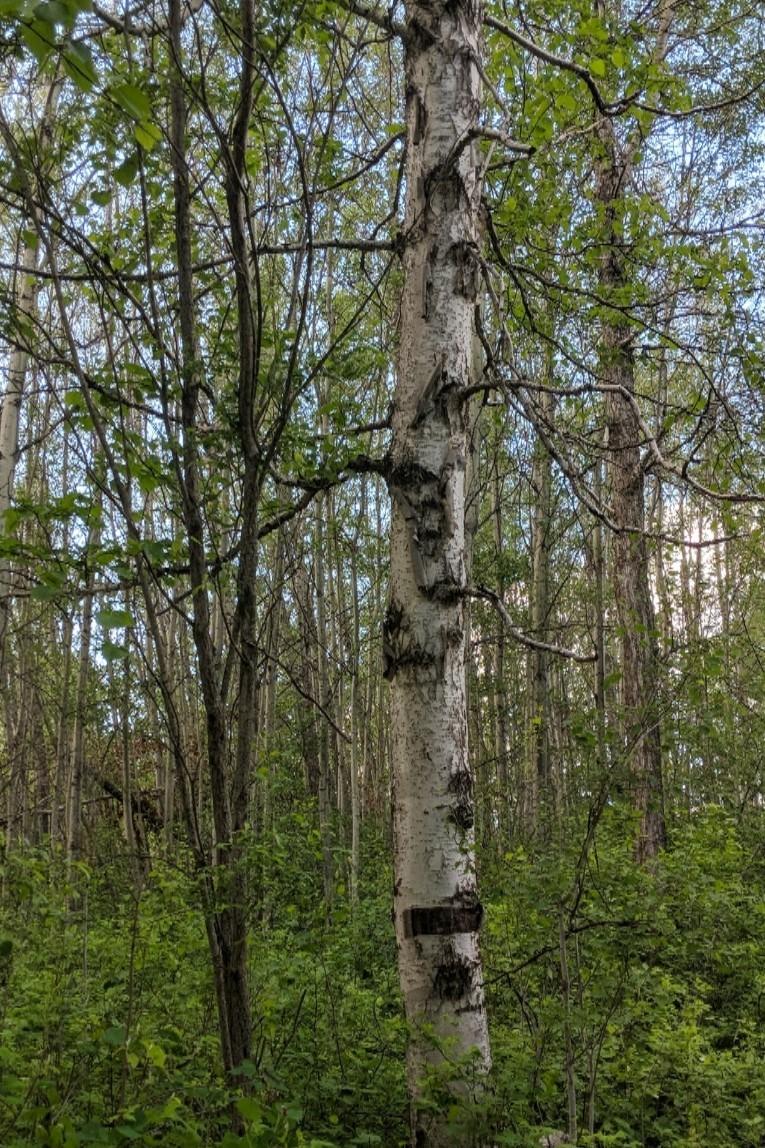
{"x": 126, "y": 172}
{"x": 132, "y": 100}
{"x": 147, "y": 134}
{"x": 115, "y": 1036}
{"x": 10, "y": 519}
{"x": 129, "y": 1132}
{"x": 594, "y": 28}
{"x": 566, "y": 102}
{"x": 112, "y": 619}
{"x": 249, "y": 1108}
{"x": 158, "y": 1056}
{"x": 79, "y": 66}
{"x": 598, "y": 67}
{"x": 39, "y": 38}
{"x": 53, "y": 12}
{"x": 113, "y": 652}
{"x": 44, "y": 592}
{"x": 155, "y": 551}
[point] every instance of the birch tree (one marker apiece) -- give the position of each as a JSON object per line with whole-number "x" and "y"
{"x": 437, "y": 910}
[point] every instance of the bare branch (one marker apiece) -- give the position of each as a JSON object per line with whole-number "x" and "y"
{"x": 525, "y": 639}
{"x": 550, "y": 58}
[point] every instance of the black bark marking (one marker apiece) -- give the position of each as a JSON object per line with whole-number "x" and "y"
{"x": 417, "y": 492}
{"x": 427, "y": 288}
{"x": 461, "y": 812}
{"x": 440, "y": 399}
{"x": 442, "y": 920}
{"x": 420, "y": 118}
{"x": 391, "y": 628}
{"x": 425, "y": 500}
{"x": 428, "y": 400}
{"x": 418, "y": 37}
{"x": 467, "y": 264}
{"x": 401, "y": 647}
{"x": 454, "y": 976}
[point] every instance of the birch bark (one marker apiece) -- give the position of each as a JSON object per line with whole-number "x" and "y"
{"x": 437, "y": 911}
{"x": 10, "y": 413}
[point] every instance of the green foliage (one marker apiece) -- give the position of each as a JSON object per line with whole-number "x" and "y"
{"x": 107, "y": 1027}
{"x": 108, "y": 1035}
{"x": 665, "y": 989}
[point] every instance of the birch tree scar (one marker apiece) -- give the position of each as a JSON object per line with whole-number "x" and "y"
{"x": 442, "y": 920}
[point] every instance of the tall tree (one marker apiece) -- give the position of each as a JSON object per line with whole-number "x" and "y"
{"x": 437, "y": 910}
{"x": 615, "y": 163}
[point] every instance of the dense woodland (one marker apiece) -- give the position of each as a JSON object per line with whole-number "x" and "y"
{"x": 382, "y": 428}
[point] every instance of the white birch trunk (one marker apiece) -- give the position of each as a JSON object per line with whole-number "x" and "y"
{"x": 437, "y": 911}
{"x": 17, "y": 374}
{"x": 10, "y": 414}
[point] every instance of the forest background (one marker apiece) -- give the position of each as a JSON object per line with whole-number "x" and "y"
{"x": 235, "y": 595}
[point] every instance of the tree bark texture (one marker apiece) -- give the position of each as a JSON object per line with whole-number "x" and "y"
{"x": 437, "y": 911}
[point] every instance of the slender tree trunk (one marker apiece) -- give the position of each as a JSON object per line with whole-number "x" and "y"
{"x": 74, "y": 803}
{"x": 379, "y": 775}
{"x": 498, "y": 685}
{"x": 62, "y": 731}
{"x": 599, "y": 579}
{"x": 62, "y": 735}
{"x": 306, "y": 623}
{"x": 639, "y": 648}
{"x": 10, "y": 414}
{"x": 325, "y": 780}
{"x": 19, "y": 717}
{"x": 437, "y": 911}
{"x": 267, "y": 690}
{"x": 568, "y": 1041}
{"x": 132, "y": 821}
{"x": 538, "y": 664}
{"x": 355, "y": 801}
{"x": 227, "y": 930}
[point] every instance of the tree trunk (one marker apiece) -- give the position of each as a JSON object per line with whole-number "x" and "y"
{"x": 325, "y": 780}
{"x": 227, "y": 930}
{"x": 437, "y": 911}
{"x": 354, "y": 769}
{"x": 10, "y": 413}
{"x": 498, "y": 684}
{"x": 632, "y": 591}
{"x": 306, "y": 624}
{"x": 74, "y": 803}
{"x": 599, "y": 579}
{"x": 540, "y": 778}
